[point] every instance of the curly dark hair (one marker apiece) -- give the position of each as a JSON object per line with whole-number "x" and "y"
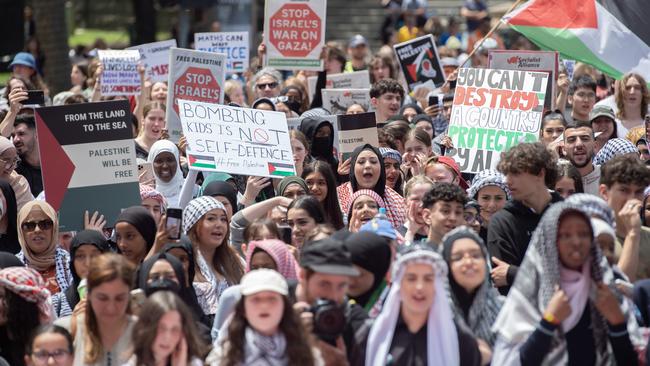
{"x": 624, "y": 169}
{"x": 443, "y": 191}
{"x": 530, "y": 158}
{"x": 299, "y": 342}
{"x": 386, "y": 86}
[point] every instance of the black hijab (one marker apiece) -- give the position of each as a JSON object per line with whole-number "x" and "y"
{"x": 9, "y": 241}
{"x": 372, "y": 253}
{"x": 84, "y": 237}
{"x": 142, "y": 220}
{"x": 186, "y": 244}
{"x": 9, "y": 260}
{"x": 380, "y": 187}
{"x": 225, "y": 189}
{"x": 321, "y": 148}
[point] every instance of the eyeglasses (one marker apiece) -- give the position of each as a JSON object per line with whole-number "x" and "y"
{"x": 272, "y": 85}
{"x": 29, "y": 226}
{"x": 59, "y": 355}
{"x": 470, "y": 218}
{"x": 10, "y": 164}
{"x": 583, "y": 95}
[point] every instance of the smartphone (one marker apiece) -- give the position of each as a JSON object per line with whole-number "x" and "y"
{"x": 34, "y": 97}
{"x": 452, "y": 84}
{"x": 285, "y": 233}
{"x": 433, "y": 100}
{"x": 145, "y": 173}
{"x": 173, "y": 223}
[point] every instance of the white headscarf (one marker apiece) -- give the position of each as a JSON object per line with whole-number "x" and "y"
{"x": 442, "y": 336}
{"x": 170, "y": 190}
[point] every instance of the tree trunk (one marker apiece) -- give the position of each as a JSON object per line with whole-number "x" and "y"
{"x": 145, "y": 22}
{"x": 53, "y": 36}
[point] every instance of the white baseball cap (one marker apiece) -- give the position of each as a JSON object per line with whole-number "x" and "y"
{"x": 263, "y": 280}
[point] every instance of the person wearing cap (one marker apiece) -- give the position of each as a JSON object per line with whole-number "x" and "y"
{"x": 443, "y": 210}
{"x": 579, "y": 144}
{"x": 529, "y": 169}
{"x": 605, "y": 126}
{"x": 386, "y": 98}
{"x": 326, "y": 271}
{"x": 358, "y": 52}
{"x": 267, "y": 83}
{"x": 444, "y": 169}
{"x": 264, "y": 327}
{"x": 417, "y": 325}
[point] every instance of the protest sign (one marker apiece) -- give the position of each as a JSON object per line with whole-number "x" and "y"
{"x": 542, "y": 61}
{"x": 492, "y": 111}
{"x": 337, "y": 101}
{"x": 294, "y": 34}
{"x": 355, "y": 130}
{"x": 348, "y": 80}
{"x": 155, "y": 57}
{"x": 234, "y": 45}
{"x": 420, "y": 63}
{"x": 194, "y": 75}
{"x": 120, "y": 76}
{"x": 236, "y": 140}
{"x": 88, "y": 160}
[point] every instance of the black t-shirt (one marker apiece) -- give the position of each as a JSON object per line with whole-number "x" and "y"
{"x": 33, "y": 176}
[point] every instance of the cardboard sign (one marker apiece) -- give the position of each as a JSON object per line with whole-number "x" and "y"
{"x": 420, "y": 63}
{"x": 542, "y": 61}
{"x": 88, "y": 160}
{"x": 234, "y": 45}
{"x": 294, "y": 34}
{"x": 355, "y": 130}
{"x": 236, "y": 140}
{"x": 120, "y": 76}
{"x": 194, "y": 75}
{"x": 155, "y": 57}
{"x": 337, "y": 101}
{"x": 348, "y": 80}
{"x": 494, "y": 110}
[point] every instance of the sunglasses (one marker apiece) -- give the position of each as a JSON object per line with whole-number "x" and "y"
{"x": 30, "y": 226}
{"x": 272, "y": 85}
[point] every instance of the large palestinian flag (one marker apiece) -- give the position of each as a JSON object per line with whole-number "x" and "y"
{"x": 611, "y": 35}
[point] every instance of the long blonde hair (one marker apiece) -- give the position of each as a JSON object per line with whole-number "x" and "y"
{"x": 620, "y": 89}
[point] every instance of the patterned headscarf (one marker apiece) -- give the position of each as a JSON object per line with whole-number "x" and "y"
{"x": 487, "y": 178}
{"x": 285, "y": 262}
{"x": 613, "y": 148}
{"x": 29, "y": 284}
{"x": 387, "y": 152}
{"x": 46, "y": 259}
{"x": 365, "y": 192}
{"x": 593, "y": 206}
{"x": 197, "y": 208}
{"x": 148, "y": 192}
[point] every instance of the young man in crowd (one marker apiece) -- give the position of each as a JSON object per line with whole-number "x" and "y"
{"x": 386, "y": 97}
{"x": 579, "y": 146}
{"x": 267, "y": 83}
{"x": 443, "y": 210}
{"x": 358, "y": 53}
{"x": 326, "y": 270}
{"x": 582, "y": 97}
{"x": 622, "y": 182}
{"x": 529, "y": 169}
{"x": 26, "y": 144}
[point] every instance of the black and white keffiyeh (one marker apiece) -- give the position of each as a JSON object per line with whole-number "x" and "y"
{"x": 593, "y": 206}
{"x": 197, "y": 208}
{"x": 487, "y": 178}
{"x": 613, "y": 148}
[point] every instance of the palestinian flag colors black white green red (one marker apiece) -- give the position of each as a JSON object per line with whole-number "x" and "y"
{"x": 201, "y": 161}
{"x": 420, "y": 63}
{"x": 281, "y": 170}
{"x": 611, "y": 35}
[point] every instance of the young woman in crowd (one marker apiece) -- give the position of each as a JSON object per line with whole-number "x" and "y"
{"x": 260, "y": 229}
{"x": 24, "y": 305}
{"x": 632, "y": 100}
{"x": 553, "y": 125}
{"x": 8, "y": 220}
{"x": 260, "y": 210}
{"x": 569, "y": 312}
{"x": 165, "y": 334}
{"x": 86, "y": 245}
{"x": 423, "y": 122}
{"x": 392, "y": 165}
{"x": 490, "y": 190}
{"x": 607, "y": 129}
{"x": 381, "y": 68}
{"x": 418, "y": 150}
{"x": 205, "y": 221}
{"x": 165, "y": 158}
{"x": 154, "y": 202}
{"x": 475, "y": 301}
{"x": 320, "y": 135}
{"x": 364, "y": 206}
{"x": 8, "y": 161}
{"x": 444, "y": 169}
{"x": 39, "y": 231}
{"x": 398, "y": 129}
{"x": 355, "y": 108}
{"x": 264, "y": 328}
{"x": 272, "y": 254}
{"x": 367, "y": 172}
{"x": 150, "y": 129}
{"x": 184, "y": 252}
{"x": 303, "y": 214}
{"x": 569, "y": 180}
{"x": 49, "y": 341}
{"x": 408, "y": 111}
{"x": 300, "y": 149}
{"x": 415, "y": 229}
{"x": 322, "y": 185}
{"x": 292, "y": 187}
{"x": 135, "y": 233}
{"x": 159, "y": 92}
{"x": 79, "y": 79}
{"x": 416, "y": 324}
{"x": 472, "y": 216}
{"x": 223, "y": 192}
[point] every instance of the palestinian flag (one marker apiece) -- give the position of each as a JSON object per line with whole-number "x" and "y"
{"x": 281, "y": 170}
{"x": 611, "y": 35}
{"x": 202, "y": 161}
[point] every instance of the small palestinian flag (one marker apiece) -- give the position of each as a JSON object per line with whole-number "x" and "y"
{"x": 202, "y": 161}
{"x": 281, "y": 170}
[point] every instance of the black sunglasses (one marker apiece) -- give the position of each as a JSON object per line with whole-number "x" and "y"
{"x": 272, "y": 85}
{"x": 30, "y": 226}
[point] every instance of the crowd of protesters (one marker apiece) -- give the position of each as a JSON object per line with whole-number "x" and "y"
{"x": 393, "y": 256}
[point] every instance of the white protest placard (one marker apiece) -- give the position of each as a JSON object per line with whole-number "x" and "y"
{"x": 494, "y": 110}
{"x": 294, "y": 34}
{"x": 193, "y": 75}
{"x": 155, "y": 57}
{"x": 337, "y": 101}
{"x": 234, "y": 45}
{"x": 347, "y": 80}
{"x": 120, "y": 76}
{"x": 355, "y": 130}
{"x": 236, "y": 140}
{"x": 543, "y": 61}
